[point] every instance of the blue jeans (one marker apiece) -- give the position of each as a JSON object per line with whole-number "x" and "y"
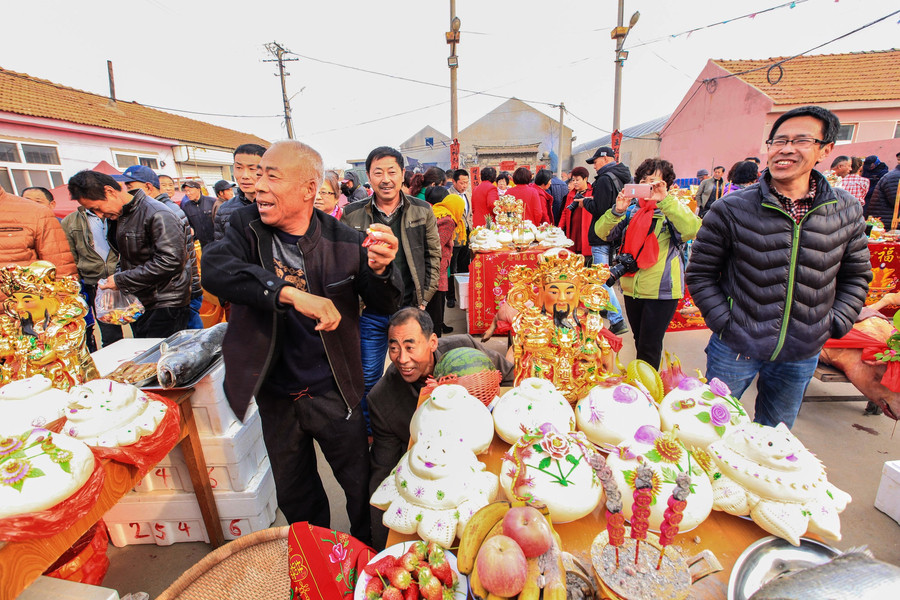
{"x": 373, "y": 338}
{"x": 601, "y": 256}
{"x": 195, "y": 322}
{"x": 781, "y": 385}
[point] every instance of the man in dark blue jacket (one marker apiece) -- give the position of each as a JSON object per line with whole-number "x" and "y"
{"x": 198, "y": 209}
{"x": 780, "y": 267}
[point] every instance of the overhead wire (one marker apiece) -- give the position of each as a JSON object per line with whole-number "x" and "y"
{"x": 710, "y": 83}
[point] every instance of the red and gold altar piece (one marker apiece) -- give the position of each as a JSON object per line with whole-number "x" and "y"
{"x": 42, "y": 327}
{"x": 559, "y": 332}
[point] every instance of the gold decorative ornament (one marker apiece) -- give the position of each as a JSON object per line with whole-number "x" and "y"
{"x": 558, "y": 331}
{"x": 508, "y": 212}
{"x": 42, "y": 327}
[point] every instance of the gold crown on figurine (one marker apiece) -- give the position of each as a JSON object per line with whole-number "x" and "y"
{"x": 37, "y": 278}
{"x": 558, "y": 264}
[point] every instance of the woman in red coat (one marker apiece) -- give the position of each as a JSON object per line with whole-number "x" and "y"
{"x": 535, "y": 208}
{"x": 576, "y": 220}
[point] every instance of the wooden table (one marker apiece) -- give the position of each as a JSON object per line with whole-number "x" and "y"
{"x": 725, "y": 535}
{"x": 22, "y": 562}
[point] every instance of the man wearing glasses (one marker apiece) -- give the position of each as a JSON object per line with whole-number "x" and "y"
{"x": 779, "y": 267}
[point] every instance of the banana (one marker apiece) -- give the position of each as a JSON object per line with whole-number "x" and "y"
{"x": 475, "y": 586}
{"x": 554, "y": 571}
{"x": 476, "y": 531}
{"x": 532, "y": 590}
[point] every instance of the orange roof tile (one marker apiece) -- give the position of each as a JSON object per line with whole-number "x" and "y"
{"x": 854, "y": 77}
{"x": 26, "y": 95}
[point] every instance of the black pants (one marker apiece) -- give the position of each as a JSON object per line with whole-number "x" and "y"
{"x": 649, "y": 320}
{"x": 161, "y": 322}
{"x": 109, "y": 333}
{"x": 435, "y": 310}
{"x": 290, "y": 424}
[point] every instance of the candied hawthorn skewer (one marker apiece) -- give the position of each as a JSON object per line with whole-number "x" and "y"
{"x": 640, "y": 513}
{"x": 615, "y": 520}
{"x": 674, "y": 514}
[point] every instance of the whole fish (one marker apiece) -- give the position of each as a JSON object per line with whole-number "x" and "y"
{"x": 855, "y": 575}
{"x": 179, "y": 364}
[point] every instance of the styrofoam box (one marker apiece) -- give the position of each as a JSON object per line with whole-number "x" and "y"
{"x": 887, "y": 500}
{"x": 165, "y": 518}
{"x": 231, "y": 460}
{"x": 212, "y": 412}
{"x": 462, "y": 290}
{"x": 60, "y": 589}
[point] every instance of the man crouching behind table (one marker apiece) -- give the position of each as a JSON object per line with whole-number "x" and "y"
{"x": 293, "y": 275}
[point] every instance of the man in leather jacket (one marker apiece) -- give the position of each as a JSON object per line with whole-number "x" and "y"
{"x": 779, "y": 267}
{"x": 151, "y": 241}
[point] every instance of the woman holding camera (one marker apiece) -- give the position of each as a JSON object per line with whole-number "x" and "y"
{"x": 650, "y": 265}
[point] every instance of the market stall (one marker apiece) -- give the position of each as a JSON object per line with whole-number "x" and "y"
{"x": 80, "y": 432}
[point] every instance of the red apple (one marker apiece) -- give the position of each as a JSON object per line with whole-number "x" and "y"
{"x": 501, "y": 566}
{"x": 528, "y": 527}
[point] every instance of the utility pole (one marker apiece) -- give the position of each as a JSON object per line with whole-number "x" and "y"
{"x": 278, "y": 51}
{"x": 562, "y": 110}
{"x": 452, "y": 37}
{"x": 619, "y": 34}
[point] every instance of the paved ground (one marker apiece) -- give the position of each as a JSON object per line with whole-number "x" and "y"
{"x": 854, "y": 447}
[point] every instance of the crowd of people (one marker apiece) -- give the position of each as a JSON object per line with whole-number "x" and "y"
{"x": 324, "y": 278}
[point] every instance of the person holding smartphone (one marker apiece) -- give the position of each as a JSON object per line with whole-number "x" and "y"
{"x": 653, "y": 226}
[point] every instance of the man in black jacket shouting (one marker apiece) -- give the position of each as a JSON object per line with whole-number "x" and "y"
{"x": 779, "y": 267}
{"x": 294, "y": 276}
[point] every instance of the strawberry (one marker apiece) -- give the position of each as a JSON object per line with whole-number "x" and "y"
{"x": 433, "y": 547}
{"x": 440, "y": 567}
{"x": 449, "y": 594}
{"x": 399, "y": 577}
{"x": 381, "y": 566}
{"x": 409, "y": 561}
{"x": 374, "y": 588}
{"x": 429, "y": 586}
{"x": 412, "y": 592}
{"x": 392, "y": 593}
{"x": 420, "y": 549}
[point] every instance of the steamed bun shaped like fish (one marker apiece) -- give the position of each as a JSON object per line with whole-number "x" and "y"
{"x": 612, "y": 414}
{"x": 768, "y": 473}
{"x": 435, "y": 489}
{"x": 528, "y": 406}
{"x": 451, "y": 411}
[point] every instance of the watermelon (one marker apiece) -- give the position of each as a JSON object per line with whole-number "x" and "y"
{"x": 463, "y": 361}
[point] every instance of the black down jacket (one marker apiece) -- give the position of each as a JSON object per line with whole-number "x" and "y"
{"x": 775, "y": 290}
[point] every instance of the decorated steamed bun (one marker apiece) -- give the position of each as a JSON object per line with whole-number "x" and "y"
{"x": 528, "y": 406}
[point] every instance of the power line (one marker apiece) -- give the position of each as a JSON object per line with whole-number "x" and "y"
{"x": 419, "y": 81}
{"x": 207, "y": 114}
{"x": 752, "y": 15}
{"x": 710, "y": 84}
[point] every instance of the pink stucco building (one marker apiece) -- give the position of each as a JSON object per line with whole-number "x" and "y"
{"x": 728, "y": 112}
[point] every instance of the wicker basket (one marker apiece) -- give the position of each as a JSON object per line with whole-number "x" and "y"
{"x": 251, "y": 567}
{"x": 483, "y": 385}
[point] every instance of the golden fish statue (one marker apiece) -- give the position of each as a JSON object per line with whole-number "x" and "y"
{"x": 42, "y": 327}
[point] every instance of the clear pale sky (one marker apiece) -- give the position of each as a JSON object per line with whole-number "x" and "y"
{"x": 207, "y": 56}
